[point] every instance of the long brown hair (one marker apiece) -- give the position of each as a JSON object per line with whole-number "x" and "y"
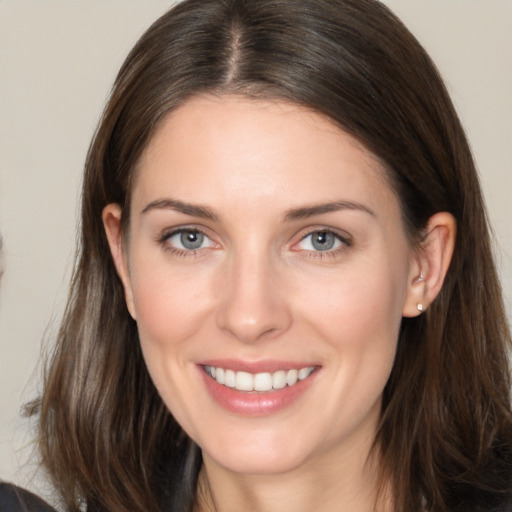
{"x": 445, "y": 439}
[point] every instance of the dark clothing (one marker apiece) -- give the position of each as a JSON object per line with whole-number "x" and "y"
{"x": 15, "y": 499}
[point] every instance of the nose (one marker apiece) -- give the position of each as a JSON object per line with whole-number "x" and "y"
{"x": 253, "y": 303}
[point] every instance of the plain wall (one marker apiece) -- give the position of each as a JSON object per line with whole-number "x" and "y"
{"x": 58, "y": 59}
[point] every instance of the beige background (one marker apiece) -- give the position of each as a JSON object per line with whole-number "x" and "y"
{"x": 58, "y": 59}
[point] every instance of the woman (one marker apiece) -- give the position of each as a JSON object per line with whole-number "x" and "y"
{"x": 285, "y": 296}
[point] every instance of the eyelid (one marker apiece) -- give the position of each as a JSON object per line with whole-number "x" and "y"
{"x": 343, "y": 237}
{"x": 168, "y": 232}
{"x": 345, "y": 240}
{"x": 165, "y": 235}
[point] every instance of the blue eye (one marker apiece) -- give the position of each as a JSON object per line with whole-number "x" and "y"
{"x": 188, "y": 240}
{"x": 321, "y": 241}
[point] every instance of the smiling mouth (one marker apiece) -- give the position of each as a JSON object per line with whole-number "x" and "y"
{"x": 261, "y": 382}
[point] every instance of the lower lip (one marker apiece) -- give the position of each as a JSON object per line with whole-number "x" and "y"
{"x": 255, "y": 403}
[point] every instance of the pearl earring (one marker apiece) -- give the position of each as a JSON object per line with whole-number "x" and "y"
{"x": 420, "y": 307}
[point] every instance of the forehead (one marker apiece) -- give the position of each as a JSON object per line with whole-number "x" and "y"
{"x": 254, "y": 148}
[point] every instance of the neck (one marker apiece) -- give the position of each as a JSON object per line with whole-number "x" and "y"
{"x": 325, "y": 488}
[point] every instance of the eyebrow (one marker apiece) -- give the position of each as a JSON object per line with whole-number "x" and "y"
{"x": 194, "y": 210}
{"x": 319, "y": 209}
{"x": 305, "y": 212}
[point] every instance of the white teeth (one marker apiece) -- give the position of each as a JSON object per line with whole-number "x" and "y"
{"x": 220, "y": 375}
{"x": 244, "y": 381}
{"x": 279, "y": 379}
{"x": 229, "y": 379}
{"x": 304, "y": 373}
{"x": 263, "y": 382}
{"x": 291, "y": 377}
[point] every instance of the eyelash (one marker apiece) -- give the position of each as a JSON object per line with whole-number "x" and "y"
{"x": 163, "y": 240}
{"x": 344, "y": 242}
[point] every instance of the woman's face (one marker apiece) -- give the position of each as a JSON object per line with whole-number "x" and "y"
{"x": 266, "y": 248}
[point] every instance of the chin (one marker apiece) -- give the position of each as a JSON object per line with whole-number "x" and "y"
{"x": 259, "y": 455}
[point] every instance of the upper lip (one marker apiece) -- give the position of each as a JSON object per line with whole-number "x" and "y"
{"x": 263, "y": 366}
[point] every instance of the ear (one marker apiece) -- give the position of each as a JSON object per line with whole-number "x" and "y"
{"x": 431, "y": 262}
{"x": 112, "y": 223}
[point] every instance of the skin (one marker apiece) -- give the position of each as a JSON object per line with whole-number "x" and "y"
{"x": 258, "y": 290}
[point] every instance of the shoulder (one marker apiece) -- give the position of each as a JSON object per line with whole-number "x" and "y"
{"x": 16, "y": 499}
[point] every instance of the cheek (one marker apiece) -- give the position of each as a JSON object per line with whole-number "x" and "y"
{"x": 359, "y": 315}
{"x": 169, "y": 305}
{"x": 360, "y": 300}
{"x": 170, "y": 311}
